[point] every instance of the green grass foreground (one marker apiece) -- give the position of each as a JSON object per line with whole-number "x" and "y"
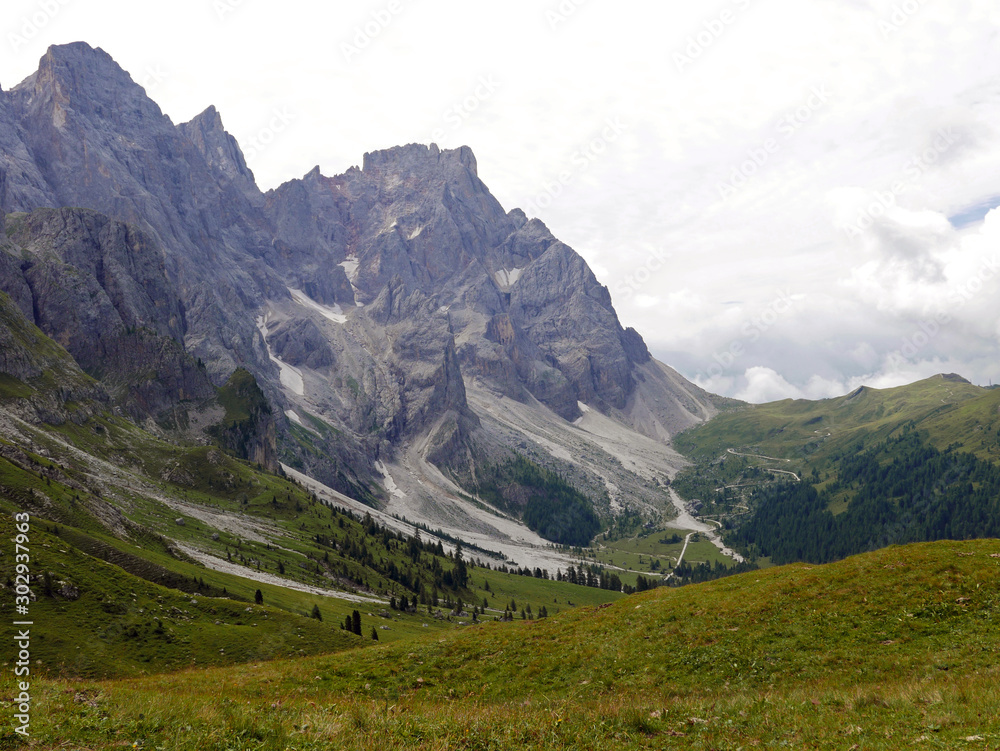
{"x": 892, "y": 649}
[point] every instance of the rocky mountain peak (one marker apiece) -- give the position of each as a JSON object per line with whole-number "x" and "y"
{"x": 220, "y": 149}
{"x": 419, "y": 158}
{"x": 86, "y": 80}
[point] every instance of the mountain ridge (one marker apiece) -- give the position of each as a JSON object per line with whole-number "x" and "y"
{"x": 371, "y": 301}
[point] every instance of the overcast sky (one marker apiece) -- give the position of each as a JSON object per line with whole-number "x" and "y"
{"x": 786, "y": 198}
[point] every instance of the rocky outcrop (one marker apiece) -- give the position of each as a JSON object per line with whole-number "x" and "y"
{"x": 38, "y": 376}
{"x": 221, "y": 152}
{"x": 528, "y": 314}
{"x": 248, "y": 428}
{"x": 90, "y": 278}
{"x": 97, "y": 141}
{"x": 99, "y": 289}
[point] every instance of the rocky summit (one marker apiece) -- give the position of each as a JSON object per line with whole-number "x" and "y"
{"x": 410, "y": 340}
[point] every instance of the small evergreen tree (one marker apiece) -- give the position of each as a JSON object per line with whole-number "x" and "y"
{"x": 316, "y": 614}
{"x": 258, "y": 597}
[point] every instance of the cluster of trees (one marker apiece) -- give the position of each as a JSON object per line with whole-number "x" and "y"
{"x": 425, "y": 565}
{"x": 352, "y": 623}
{"x": 685, "y": 573}
{"x": 526, "y": 614}
{"x": 899, "y": 491}
{"x": 591, "y": 576}
{"x": 549, "y": 505}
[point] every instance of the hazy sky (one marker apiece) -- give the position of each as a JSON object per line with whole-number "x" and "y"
{"x": 786, "y": 198}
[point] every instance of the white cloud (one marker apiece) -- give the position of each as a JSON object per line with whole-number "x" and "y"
{"x": 689, "y": 269}
{"x": 766, "y": 385}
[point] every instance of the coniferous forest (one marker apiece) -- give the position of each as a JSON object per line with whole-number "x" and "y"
{"x": 899, "y": 491}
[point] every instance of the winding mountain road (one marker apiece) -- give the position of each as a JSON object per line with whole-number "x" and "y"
{"x": 769, "y": 458}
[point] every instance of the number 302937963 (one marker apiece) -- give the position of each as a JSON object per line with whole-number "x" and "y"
{"x": 21, "y": 558}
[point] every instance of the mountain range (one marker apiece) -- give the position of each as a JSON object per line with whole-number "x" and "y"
{"x": 415, "y": 345}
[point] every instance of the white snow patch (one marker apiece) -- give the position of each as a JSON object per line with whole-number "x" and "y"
{"x": 387, "y": 480}
{"x": 291, "y": 377}
{"x": 334, "y": 313}
{"x": 292, "y": 415}
{"x": 416, "y": 233}
{"x": 507, "y": 278}
{"x": 350, "y": 266}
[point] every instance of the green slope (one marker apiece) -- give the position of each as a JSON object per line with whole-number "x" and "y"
{"x": 93, "y": 619}
{"x": 880, "y": 651}
{"x": 819, "y": 480}
{"x": 119, "y": 495}
{"x": 807, "y": 432}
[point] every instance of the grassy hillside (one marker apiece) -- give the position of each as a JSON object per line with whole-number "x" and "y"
{"x": 94, "y": 619}
{"x": 125, "y": 517}
{"x": 880, "y": 651}
{"x": 818, "y": 480}
{"x": 806, "y": 433}
{"x": 260, "y": 523}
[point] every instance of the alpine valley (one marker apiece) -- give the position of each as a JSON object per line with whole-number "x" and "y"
{"x": 238, "y": 426}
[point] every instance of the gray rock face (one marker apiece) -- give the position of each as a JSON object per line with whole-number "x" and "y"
{"x": 221, "y": 152}
{"x": 97, "y": 141}
{"x": 90, "y": 277}
{"x": 362, "y": 304}
{"x": 39, "y": 374}
{"x": 526, "y": 311}
{"x": 99, "y": 289}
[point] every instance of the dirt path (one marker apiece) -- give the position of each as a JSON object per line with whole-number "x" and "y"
{"x": 758, "y": 456}
{"x": 685, "y": 520}
{"x": 785, "y": 472}
{"x": 680, "y": 558}
{"x": 261, "y": 577}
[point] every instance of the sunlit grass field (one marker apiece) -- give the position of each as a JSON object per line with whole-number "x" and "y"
{"x": 891, "y": 649}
